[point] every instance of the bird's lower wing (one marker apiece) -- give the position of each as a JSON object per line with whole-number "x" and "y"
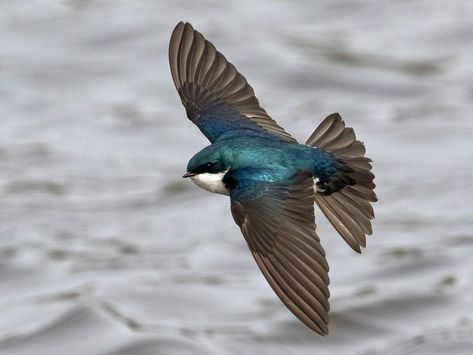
{"x": 277, "y": 221}
{"x": 217, "y": 98}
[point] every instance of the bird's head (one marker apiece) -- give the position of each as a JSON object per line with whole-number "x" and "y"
{"x": 207, "y": 161}
{"x": 207, "y": 169}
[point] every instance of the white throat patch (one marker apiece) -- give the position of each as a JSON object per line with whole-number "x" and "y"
{"x": 211, "y": 182}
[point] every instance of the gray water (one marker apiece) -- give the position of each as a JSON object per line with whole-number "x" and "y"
{"x": 104, "y": 249}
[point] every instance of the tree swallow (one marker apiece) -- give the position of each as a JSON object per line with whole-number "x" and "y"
{"x": 272, "y": 180}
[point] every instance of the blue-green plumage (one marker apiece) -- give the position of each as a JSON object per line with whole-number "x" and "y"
{"x": 266, "y": 159}
{"x": 265, "y": 154}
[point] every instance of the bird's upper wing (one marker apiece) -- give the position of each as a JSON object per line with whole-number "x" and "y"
{"x": 277, "y": 221}
{"x": 216, "y": 96}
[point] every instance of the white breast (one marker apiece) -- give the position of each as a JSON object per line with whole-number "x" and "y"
{"x": 211, "y": 182}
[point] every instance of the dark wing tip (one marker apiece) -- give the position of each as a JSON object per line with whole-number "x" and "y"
{"x": 179, "y": 43}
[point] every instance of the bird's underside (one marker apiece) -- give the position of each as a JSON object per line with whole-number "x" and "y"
{"x": 276, "y": 218}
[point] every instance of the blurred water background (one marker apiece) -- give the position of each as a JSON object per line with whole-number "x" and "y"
{"x": 104, "y": 249}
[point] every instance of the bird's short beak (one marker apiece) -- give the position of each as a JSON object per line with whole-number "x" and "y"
{"x": 186, "y": 175}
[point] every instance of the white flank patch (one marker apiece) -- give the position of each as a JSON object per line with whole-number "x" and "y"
{"x": 211, "y": 182}
{"x": 316, "y": 188}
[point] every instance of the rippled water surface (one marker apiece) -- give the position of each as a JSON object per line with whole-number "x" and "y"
{"x": 104, "y": 249}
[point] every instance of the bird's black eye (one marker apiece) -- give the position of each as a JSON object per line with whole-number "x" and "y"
{"x": 208, "y": 167}
{"x": 205, "y": 168}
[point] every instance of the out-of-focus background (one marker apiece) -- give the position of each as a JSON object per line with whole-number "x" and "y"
{"x": 104, "y": 249}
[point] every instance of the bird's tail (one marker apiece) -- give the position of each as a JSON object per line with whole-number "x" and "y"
{"x": 349, "y": 209}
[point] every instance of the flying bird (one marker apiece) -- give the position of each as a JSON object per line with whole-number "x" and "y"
{"x": 272, "y": 180}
